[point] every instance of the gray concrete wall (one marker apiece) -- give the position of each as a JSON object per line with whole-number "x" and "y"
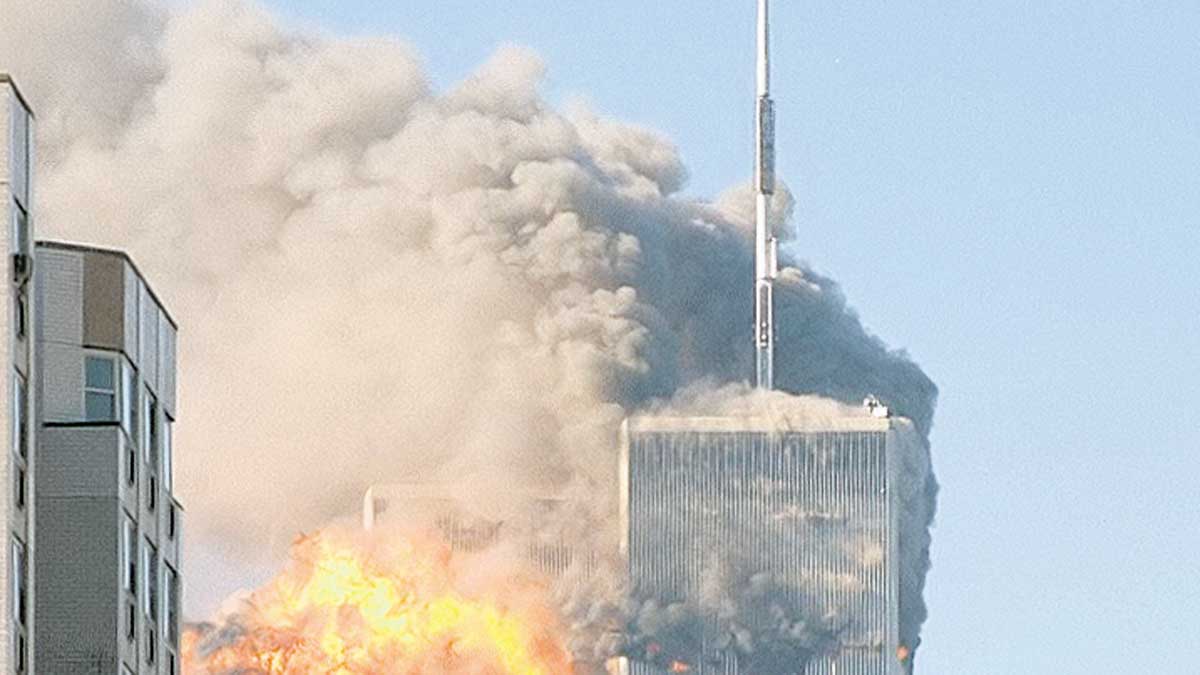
{"x": 94, "y": 302}
{"x": 78, "y": 586}
{"x": 104, "y": 302}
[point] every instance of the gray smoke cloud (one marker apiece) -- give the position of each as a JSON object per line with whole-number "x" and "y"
{"x": 747, "y": 617}
{"x": 377, "y": 280}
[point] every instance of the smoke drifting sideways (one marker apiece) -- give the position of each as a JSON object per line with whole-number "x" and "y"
{"x": 377, "y": 281}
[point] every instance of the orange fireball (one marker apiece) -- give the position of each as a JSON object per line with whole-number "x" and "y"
{"x": 352, "y": 608}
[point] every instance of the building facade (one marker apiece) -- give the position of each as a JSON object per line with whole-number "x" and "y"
{"x": 16, "y": 190}
{"x": 809, "y": 506}
{"x": 108, "y": 527}
{"x": 533, "y": 529}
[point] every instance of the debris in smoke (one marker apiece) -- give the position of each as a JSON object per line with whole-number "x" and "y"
{"x": 747, "y": 618}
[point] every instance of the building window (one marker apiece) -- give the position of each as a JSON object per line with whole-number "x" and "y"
{"x": 20, "y": 229}
{"x": 129, "y": 403}
{"x": 150, "y": 429}
{"x": 151, "y": 444}
{"x": 21, "y": 309}
{"x": 19, "y": 415}
{"x": 100, "y": 390}
{"x": 170, "y": 612}
{"x": 20, "y": 600}
{"x": 168, "y": 454}
{"x": 131, "y": 458}
{"x": 18, "y": 582}
{"x": 20, "y": 485}
{"x": 150, "y": 577}
{"x": 130, "y": 621}
{"x": 129, "y": 553}
{"x": 20, "y": 441}
{"x": 171, "y": 605}
{"x": 150, "y": 598}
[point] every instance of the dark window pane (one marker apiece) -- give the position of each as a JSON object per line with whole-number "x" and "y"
{"x": 22, "y": 404}
{"x": 98, "y": 407}
{"x": 100, "y": 373}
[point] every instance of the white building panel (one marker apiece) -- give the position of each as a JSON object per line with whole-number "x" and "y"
{"x": 60, "y": 283}
{"x": 161, "y": 328}
{"x": 132, "y": 313}
{"x": 20, "y": 129}
{"x": 7, "y": 102}
{"x": 62, "y": 382}
{"x": 149, "y": 340}
{"x": 170, "y": 338}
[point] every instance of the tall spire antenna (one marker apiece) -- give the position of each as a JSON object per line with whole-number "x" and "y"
{"x": 765, "y": 243}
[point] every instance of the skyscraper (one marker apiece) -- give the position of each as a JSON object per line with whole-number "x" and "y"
{"x": 16, "y": 187}
{"x": 108, "y": 526}
{"x": 719, "y": 506}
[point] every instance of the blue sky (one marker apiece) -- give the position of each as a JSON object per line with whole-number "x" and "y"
{"x": 1008, "y": 190}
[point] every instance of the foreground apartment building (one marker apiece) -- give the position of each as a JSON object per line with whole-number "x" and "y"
{"x": 108, "y": 526}
{"x": 16, "y": 162}
{"x": 90, "y": 564}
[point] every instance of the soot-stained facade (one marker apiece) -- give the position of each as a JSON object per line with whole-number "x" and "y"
{"x": 784, "y": 530}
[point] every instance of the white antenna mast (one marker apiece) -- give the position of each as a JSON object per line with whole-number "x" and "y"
{"x": 764, "y": 183}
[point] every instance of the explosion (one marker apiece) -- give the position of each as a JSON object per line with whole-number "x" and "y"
{"x": 390, "y": 605}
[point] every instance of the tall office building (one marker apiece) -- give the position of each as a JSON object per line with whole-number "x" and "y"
{"x": 810, "y": 504}
{"x": 16, "y": 186}
{"x": 108, "y": 526}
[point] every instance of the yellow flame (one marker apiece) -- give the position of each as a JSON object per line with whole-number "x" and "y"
{"x": 349, "y": 609}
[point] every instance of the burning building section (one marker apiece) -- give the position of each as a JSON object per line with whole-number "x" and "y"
{"x": 532, "y": 534}
{"x": 781, "y": 536}
{"x": 762, "y": 533}
{"x": 353, "y": 605}
{"x": 590, "y": 343}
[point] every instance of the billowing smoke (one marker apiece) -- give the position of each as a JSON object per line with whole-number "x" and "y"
{"x": 747, "y": 617}
{"x": 377, "y": 281}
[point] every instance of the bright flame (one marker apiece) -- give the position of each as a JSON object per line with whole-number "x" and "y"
{"x": 902, "y": 653}
{"x": 389, "y": 607}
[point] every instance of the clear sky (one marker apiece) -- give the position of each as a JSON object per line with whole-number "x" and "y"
{"x": 1010, "y": 191}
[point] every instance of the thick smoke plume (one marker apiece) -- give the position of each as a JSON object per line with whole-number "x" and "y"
{"x": 376, "y": 280}
{"x": 747, "y": 617}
